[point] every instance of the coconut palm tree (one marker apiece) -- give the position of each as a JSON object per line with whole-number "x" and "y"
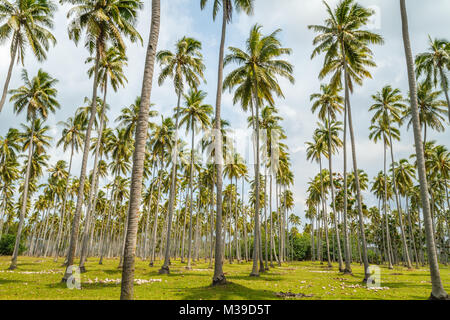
{"x": 185, "y": 65}
{"x": 434, "y": 65}
{"x": 72, "y": 135}
{"x": 388, "y": 108}
{"x": 330, "y": 103}
{"x": 431, "y": 111}
{"x": 37, "y": 97}
{"x": 345, "y": 43}
{"x": 314, "y": 152}
{"x": 141, "y": 135}
{"x": 27, "y": 24}
{"x": 110, "y": 70}
{"x": 259, "y": 66}
{"x": 101, "y": 21}
{"x": 35, "y": 140}
{"x": 228, "y": 7}
{"x": 437, "y": 291}
{"x": 196, "y": 116}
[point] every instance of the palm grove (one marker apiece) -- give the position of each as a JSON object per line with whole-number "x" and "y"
{"x": 144, "y": 191}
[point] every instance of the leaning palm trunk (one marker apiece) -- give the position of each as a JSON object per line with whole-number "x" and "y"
{"x": 444, "y": 88}
{"x": 388, "y": 237}
{"x": 93, "y": 189}
{"x": 219, "y": 277}
{"x": 165, "y": 267}
{"x": 8, "y": 76}
{"x": 138, "y": 157}
{"x": 437, "y": 291}
{"x": 63, "y": 211}
{"x": 24, "y": 200}
{"x": 84, "y": 163}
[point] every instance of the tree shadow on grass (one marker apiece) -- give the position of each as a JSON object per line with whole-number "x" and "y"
{"x": 7, "y": 281}
{"x": 229, "y": 291}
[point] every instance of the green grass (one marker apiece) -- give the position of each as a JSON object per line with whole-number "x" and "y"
{"x": 298, "y": 277}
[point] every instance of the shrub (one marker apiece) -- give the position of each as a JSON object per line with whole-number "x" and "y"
{"x": 7, "y": 243}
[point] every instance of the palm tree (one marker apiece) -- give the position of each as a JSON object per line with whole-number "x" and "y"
{"x": 434, "y": 64}
{"x": 102, "y": 21}
{"x": 346, "y": 44}
{"x": 388, "y": 107}
{"x": 195, "y": 115}
{"x": 185, "y": 65}
{"x": 437, "y": 291}
{"x": 330, "y": 103}
{"x": 228, "y": 7}
{"x": 110, "y": 70}
{"x": 26, "y": 23}
{"x": 314, "y": 152}
{"x": 256, "y": 81}
{"x": 73, "y": 136}
{"x": 126, "y": 292}
{"x": 35, "y": 140}
{"x": 431, "y": 111}
{"x": 37, "y": 97}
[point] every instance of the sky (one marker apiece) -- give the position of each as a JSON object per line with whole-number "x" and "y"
{"x": 184, "y": 18}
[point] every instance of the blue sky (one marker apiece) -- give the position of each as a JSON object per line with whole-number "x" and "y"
{"x": 183, "y": 17}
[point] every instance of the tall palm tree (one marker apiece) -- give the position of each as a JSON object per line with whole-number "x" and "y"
{"x": 73, "y": 136}
{"x": 126, "y": 292}
{"x": 434, "y": 64}
{"x": 228, "y": 7}
{"x": 102, "y": 21}
{"x": 330, "y": 103}
{"x": 195, "y": 115}
{"x": 185, "y": 65}
{"x": 346, "y": 42}
{"x": 37, "y": 97}
{"x": 437, "y": 291}
{"x": 110, "y": 70}
{"x": 259, "y": 66}
{"x": 431, "y": 111}
{"x": 27, "y": 24}
{"x": 388, "y": 108}
{"x": 314, "y": 152}
{"x": 35, "y": 140}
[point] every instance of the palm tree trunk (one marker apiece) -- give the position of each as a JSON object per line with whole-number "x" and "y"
{"x": 84, "y": 163}
{"x": 219, "y": 277}
{"x": 356, "y": 173}
{"x": 388, "y": 238}
{"x": 23, "y": 207}
{"x": 444, "y": 88}
{"x": 139, "y": 155}
{"x": 63, "y": 211}
{"x": 191, "y": 190}
{"x": 165, "y": 267}
{"x": 347, "y": 252}
{"x": 8, "y": 76}
{"x": 324, "y": 213}
{"x": 94, "y": 187}
{"x": 155, "y": 220}
{"x": 399, "y": 209}
{"x": 336, "y": 227}
{"x": 437, "y": 291}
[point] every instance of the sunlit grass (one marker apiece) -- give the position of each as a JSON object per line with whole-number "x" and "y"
{"x": 298, "y": 277}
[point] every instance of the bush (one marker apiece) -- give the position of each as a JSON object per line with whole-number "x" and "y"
{"x": 7, "y": 243}
{"x": 301, "y": 246}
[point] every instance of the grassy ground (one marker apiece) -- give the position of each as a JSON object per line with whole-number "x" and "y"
{"x": 39, "y": 278}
